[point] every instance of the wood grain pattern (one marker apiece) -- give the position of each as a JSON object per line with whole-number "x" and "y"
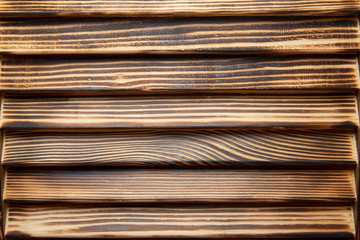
{"x": 11, "y": 8}
{"x": 334, "y": 111}
{"x": 175, "y": 74}
{"x": 204, "y": 186}
{"x": 181, "y": 222}
{"x": 176, "y": 36}
{"x": 185, "y": 148}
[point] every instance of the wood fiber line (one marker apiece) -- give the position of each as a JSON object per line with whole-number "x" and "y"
{"x": 181, "y": 222}
{"x": 11, "y": 8}
{"x": 159, "y": 74}
{"x": 334, "y": 111}
{"x": 180, "y": 186}
{"x": 189, "y": 35}
{"x": 182, "y": 148}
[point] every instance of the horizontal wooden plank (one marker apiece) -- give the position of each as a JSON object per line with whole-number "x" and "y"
{"x": 180, "y": 222}
{"x": 318, "y": 72}
{"x": 185, "y": 148}
{"x": 10, "y": 8}
{"x": 205, "y": 186}
{"x": 334, "y": 111}
{"x": 189, "y": 35}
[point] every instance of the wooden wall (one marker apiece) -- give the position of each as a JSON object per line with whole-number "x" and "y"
{"x": 173, "y": 119}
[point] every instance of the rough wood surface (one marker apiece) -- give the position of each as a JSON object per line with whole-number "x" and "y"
{"x": 182, "y": 148}
{"x": 206, "y": 186}
{"x": 1, "y": 218}
{"x": 189, "y": 35}
{"x": 180, "y": 222}
{"x": 321, "y": 72}
{"x": 11, "y": 8}
{"x": 334, "y": 111}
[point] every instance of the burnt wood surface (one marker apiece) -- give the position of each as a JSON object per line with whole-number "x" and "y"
{"x": 206, "y": 73}
{"x": 182, "y": 149}
{"x": 173, "y": 119}
{"x": 180, "y": 222}
{"x": 180, "y": 36}
{"x": 28, "y": 8}
{"x": 333, "y": 111}
{"x": 181, "y": 186}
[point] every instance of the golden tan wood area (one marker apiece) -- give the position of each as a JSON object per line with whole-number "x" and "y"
{"x": 180, "y": 36}
{"x": 182, "y": 149}
{"x": 126, "y": 74}
{"x": 11, "y": 8}
{"x": 180, "y": 222}
{"x": 333, "y": 111}
{"x": 182, "y": 186}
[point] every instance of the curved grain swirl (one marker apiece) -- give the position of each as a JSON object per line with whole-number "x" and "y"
{"x": 182, "y": 148}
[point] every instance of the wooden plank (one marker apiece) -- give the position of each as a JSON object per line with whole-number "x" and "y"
{"x": 185, "y": 148}
{"x": 176, "y": 36}
{"x": 317, "y": 72}
{"x": 333, "y": 111}
{"x": 180, "y": 222}
{"x": 357, "y": 176}
{"x": 11, "y": 8}
{"x": 2, "y": 220}
{"x": 201, "y": 186}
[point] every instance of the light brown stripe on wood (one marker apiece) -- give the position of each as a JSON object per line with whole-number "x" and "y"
{"x": 161, "y": 74}
{"x": 245, "y": 186}
{"x": 182, "y": 148}
{"x": 190, "y": 35}
{"x": 10, "y": 8}
{"x": 180, "y": 222}
{"x": 338, "y": 111}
